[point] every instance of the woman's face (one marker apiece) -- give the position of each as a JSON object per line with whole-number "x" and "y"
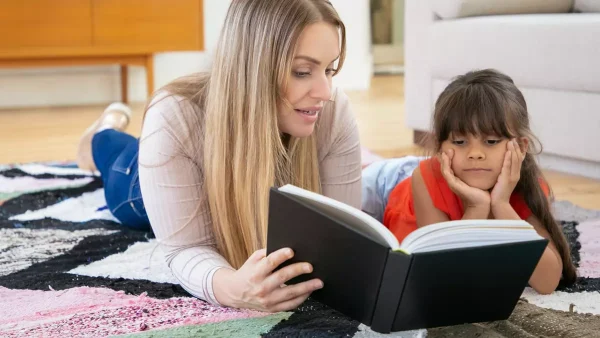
{"x": 309, "y": 84}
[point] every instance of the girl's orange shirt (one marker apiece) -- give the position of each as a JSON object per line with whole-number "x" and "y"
{"x": 399, "y": 215}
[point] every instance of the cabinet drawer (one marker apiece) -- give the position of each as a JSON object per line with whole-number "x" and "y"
{"x": 45, "y": 23}
{"x": 157, "y": 25}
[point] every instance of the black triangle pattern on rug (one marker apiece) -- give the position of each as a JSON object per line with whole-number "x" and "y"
{"x": 14, "y": 172}
{"x": 61, "y": 281}
{"x": 44, "y": 199}
{"x": 313, "y": 319}
{"x": 583, "y": 283}
{"x": 90, "y": 249}
{"x": 572, "y": 235}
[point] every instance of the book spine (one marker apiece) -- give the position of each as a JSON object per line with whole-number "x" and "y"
{"x": 390, "y": 292}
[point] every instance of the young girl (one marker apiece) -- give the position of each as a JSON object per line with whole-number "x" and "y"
{"x": 484, "y": 169}
{"x": 213, "y": 144}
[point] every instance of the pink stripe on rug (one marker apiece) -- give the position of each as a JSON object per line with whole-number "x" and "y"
{"x": 100, "y": 312}
{"x": 589, "y": 237}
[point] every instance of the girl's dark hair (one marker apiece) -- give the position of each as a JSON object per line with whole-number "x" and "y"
{"x": 487, "y": 102}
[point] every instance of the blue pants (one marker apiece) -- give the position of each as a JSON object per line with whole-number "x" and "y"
{"x": 116, "y": 156}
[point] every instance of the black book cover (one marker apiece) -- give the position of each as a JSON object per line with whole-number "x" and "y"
{"x": 350, "y": 264}
{"x": 393, "y": 291}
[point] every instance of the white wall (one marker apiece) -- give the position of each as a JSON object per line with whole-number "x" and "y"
{"x": 101, "y": 84}
{"x": 358, "y": 67}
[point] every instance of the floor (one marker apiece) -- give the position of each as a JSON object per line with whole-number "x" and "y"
{"x": 51, "y": 134}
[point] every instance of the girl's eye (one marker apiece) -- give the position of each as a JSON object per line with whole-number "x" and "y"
{"x": 330, "y": 71}
{"x": 492, "y": 142}
{"x": 458, "y": 142}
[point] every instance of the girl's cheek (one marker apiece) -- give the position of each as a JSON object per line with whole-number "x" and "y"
{"x": 457, "y": 160}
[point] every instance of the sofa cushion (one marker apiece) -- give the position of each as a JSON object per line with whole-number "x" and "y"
{"x": 450, "y": 9}
{"x": 554, "y": 51}
{"x": 587, "y": 6}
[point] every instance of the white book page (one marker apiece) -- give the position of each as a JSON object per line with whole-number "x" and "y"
{"x": 359, "y": 220}
{"x": 468, "y": 233}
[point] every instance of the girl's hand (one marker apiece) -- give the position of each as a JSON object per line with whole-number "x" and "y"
{"x": 471, "y": 197}
{"x": 256, "y": 286}
{"x": 510, "y": 174}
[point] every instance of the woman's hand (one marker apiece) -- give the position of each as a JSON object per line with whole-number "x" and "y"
{"x": 473, "y": 198}
{"x": 256, "y": 286}
{"x": 509, "y": 176}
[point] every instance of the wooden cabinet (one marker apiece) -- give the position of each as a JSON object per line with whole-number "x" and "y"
{"x": 84, "y": 32}
{"x": 173, "y": 27}
{"x": 35, "y": 24}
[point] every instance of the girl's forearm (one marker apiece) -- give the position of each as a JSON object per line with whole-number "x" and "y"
{"x": 504, "y": 211}
{"x": 476, "y": 213}
{"x": 546, "y": 276}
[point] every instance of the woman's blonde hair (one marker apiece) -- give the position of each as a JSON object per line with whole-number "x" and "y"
{"x": 242, "y": 151}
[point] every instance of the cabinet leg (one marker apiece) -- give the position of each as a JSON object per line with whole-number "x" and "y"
{"x": 150, "y": 74}
{"x": 124, "y": 82}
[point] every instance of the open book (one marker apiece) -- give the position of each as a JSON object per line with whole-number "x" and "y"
{"x": 446, "y": 235}
{"x": 443, "y": 274}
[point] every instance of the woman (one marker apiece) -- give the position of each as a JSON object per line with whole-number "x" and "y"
{"x": 213, "y": 144}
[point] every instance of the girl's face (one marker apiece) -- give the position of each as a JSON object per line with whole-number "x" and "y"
{"x": 478, "y": 159}
{"x": 309, "y": 85}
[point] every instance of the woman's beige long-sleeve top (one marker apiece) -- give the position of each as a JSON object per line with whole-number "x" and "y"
{"x": 171, "y": 182}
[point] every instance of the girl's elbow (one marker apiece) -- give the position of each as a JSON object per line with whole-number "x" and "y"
{"x": 546, "y": 286}
{"x": 545, "y": 289}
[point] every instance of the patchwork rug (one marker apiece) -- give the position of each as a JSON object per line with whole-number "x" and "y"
{"x": 68, "y": 269}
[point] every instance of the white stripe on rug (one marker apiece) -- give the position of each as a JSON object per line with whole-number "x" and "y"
{"x": 78, "y": 209}
{"x": 142, "y": 260}
{"x": 583, "y": 302}
{"x": 366, "y": 332}
{"x": 22, "y": 248}
{"x": 28, "y": 184}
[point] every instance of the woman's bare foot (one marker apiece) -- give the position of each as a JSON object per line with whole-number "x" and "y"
{"x": 115, "y": 116}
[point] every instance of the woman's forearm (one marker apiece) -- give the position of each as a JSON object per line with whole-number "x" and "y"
{"x": 221, "y": 286}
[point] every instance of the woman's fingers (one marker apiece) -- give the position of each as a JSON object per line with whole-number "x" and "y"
{"x": 257, "y": 255}
{"x": 289, "y": 304}
{"x": 289, "y": 292}
{"x": 273, "y": 295}
{"x": 282, "y": 276}
{"x": 272, "y": 261}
